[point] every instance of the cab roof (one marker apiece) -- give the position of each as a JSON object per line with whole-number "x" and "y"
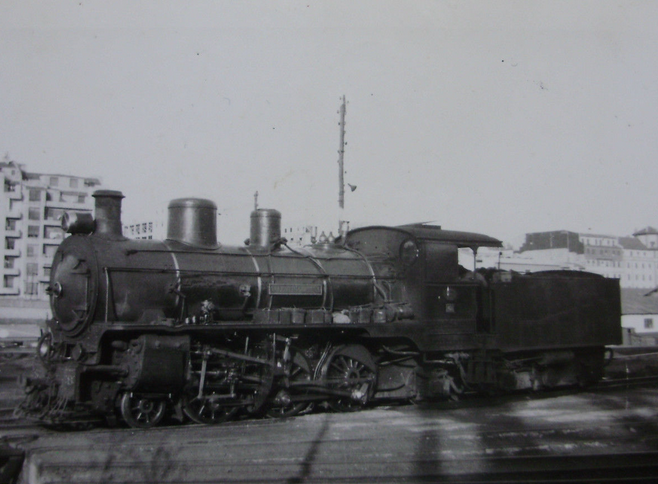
{"x": 437, "y": 234}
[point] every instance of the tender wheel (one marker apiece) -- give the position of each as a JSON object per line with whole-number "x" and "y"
{"x": 142, "y": 412}
{"x": 208, "y": 409}
{"x": 284, "y": 404}
{"x": 350, "y": 369}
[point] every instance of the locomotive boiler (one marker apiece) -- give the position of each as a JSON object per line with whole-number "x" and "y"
{"x": 196, "y": 330}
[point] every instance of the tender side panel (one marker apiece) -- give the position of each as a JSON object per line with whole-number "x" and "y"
{"x": 553, "y": 311}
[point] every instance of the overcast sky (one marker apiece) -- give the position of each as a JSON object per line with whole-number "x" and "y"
{"x": 499, "y": 117}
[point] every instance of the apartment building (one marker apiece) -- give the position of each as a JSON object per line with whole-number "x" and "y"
{"x": 632, "y": 260}
{"x": 148, "y": 228}
{"x": 31, "y": 205}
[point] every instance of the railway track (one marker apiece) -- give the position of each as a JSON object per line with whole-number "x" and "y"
{"x": 561, "y": 441}
{"x": 441, "y": 443}
{"x": 626, "y": 382}
{"x": 9, "y": 420}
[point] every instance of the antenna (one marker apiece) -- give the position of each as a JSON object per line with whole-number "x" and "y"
{"x": 256, "y": 200}
{"x": 341, "y": 169}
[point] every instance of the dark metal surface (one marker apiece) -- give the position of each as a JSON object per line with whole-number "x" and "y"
{"x": 193, "y": 221}
{"x": 265, "y": 228}
{"x": 186, "y": 325}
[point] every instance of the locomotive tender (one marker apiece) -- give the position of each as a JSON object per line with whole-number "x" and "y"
{"x": 188, "y": 327}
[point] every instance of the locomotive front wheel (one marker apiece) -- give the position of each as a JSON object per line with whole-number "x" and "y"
{"x": 208, "y": 409}
{"x": 350, "y": 368}
{"x": 142, "y": 412}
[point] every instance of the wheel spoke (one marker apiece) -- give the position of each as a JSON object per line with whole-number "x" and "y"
{"x": 283, "y": 405}
{"x": 142, "y": 412}
{"x": 345, "y": 372}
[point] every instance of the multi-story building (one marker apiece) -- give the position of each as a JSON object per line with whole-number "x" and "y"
{"x": 151, "y": 228}
{"x": 31, "y": 206}
{"x": 632, "y": 260}
{"x": 300, "y": 234}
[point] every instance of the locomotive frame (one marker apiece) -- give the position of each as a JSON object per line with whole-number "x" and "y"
{"x": 187, "y": 327}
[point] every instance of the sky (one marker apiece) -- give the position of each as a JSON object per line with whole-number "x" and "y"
{"x": 499, "y": 117}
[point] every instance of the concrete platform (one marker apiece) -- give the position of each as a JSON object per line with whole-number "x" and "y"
{"x": 392, "y": 444}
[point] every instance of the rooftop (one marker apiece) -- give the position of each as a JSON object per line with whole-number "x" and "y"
{"x": 646, "y": 231}
{"x": 631, "y": 243}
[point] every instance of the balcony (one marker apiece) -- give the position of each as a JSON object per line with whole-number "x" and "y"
{"x": 14, "y": 234}
{"x": 12, "y": 252}
{"x": 15, "y": 214}
{"x": 12, "y": 271}
{"x": 15, "y": 195}
{"x": 9, "y": 291}
{"x": 52, "y": 222}
{"x": 52, "y": 240}
{"x": 71, "y": 205}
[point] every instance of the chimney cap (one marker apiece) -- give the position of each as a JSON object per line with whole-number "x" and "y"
{"x": 108, "y": 193}
{"x": 192, "y": 203}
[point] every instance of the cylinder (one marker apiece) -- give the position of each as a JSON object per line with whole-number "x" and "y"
{"x": 193, "y": 221}
{"x": 108, "y": 212}
{"x": 265, "y": 227}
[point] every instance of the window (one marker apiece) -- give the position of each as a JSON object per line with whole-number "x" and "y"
{"x": 31, "y": 250}
{"x": 9, "y": 244}
{"x": 54, "y": 213}
{"x": 33, "y": 231}
{"x": 54, "y": 181}
{"x": 9, "y": 262}
{"x": 73, "y": 183}
{"x": 81, "y": 198}
{"x": 9, "y": 281}
{"x": 10, "y": 224}
{"x": 53, "y": 233}
{"x": 32, "y": 269}
{"x": 35, "y": 195}
{"x": 49, "y": 250}
{"x": 648, "y": 323}
{"x": 46, "y": 271}
{"x": 68, "y": 197}
{"x": 32, "y": 288}
{"x": 34, "y": 213}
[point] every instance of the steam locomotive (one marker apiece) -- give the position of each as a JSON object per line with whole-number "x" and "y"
{"x": 189, "y": 328}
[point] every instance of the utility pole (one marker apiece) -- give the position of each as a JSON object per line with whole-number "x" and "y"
{"x": 341, "y": 170}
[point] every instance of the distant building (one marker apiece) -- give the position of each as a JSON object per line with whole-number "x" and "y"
{"x": 632, "y": 260}
{"x": 509, "y": 260}
{"x": 300, "y": 235}
{"x": 31, "y": 206}
{"x": 639, "y": 316}
{"x": 648, "y": 236}
{"x": 149, "y": 228}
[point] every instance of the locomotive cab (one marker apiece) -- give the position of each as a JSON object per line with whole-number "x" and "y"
{"x": 443, "y": 294}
